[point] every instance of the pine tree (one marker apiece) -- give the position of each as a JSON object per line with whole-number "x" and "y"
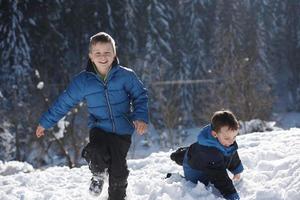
{"x": 134, "y": 36}
{"x": 193, "y": 55}
{"x": 284, "y": 46}
{"x": 157, "y": 66}
{"x": 183, "y": 50}
{"x": 293, "y": 49}
{"x": 15, "y": 71}
{"x": 241, "y": 67}
{"x": 7, "y": 143}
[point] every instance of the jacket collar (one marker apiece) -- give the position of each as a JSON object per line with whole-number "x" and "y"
{"x": 90, "y": 68}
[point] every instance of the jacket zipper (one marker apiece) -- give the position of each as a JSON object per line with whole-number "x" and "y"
{"x": 104, "y": 83}
{"x": 109, "y": 107}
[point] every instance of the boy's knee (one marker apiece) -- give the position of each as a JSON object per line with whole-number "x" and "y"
{"x": 96, "y": 157}
{"x": 119, "y": 172}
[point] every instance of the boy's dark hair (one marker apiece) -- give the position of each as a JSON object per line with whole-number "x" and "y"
{"x": 224, "y": 118}
{"x": 104, "y": 38}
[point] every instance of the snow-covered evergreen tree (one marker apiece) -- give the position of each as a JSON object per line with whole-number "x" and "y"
{"x": 241, "y": 67}
{"x": 15, "y": 71}
{"x": 293, "y": 49}
{"x": 157, "y": 56}
{"x": 7, "y": 143}
{"x": 192, "y": 33}
{"x": 284, "y": 33}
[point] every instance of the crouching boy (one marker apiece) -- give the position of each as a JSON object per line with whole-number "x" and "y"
{"x": 215, "y": 152}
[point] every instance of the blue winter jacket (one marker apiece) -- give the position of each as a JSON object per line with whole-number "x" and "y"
{"x": 113, "y": 104}
{"x": 207, "y": 161}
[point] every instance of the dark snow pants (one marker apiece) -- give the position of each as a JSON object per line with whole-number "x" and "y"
{"x": 108, "y": 151}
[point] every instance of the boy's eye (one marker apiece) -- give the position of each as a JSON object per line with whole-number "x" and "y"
{"x": 105, "y": 54}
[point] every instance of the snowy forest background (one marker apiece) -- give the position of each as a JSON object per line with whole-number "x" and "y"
{"x": 194, "y": 56}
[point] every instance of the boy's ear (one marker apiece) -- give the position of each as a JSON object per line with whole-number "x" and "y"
{"x": 214, "y": 134}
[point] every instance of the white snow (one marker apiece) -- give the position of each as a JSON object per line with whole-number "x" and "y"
{"x": 257, "y": 125}
{"x": 271, "y": 161}
{"x": 40, "y": 85}
{"x": 37, "y": 74}
{"x": 7, "y": 142}
{"x": 62, "y": 125}
{"x": 14, "y": 167}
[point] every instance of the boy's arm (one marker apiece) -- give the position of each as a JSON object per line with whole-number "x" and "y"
{"x": 235, "y": 166}
{"x": 64, "y": 103}
{"x": 139, "y": 97}
{"x": 218, "y": 176}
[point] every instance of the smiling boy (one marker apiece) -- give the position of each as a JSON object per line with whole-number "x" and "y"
{"x": 117, "y": 103}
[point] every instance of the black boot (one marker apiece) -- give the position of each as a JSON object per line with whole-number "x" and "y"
{"x": 117, "y": 189}
{"x": 96, "y": 185}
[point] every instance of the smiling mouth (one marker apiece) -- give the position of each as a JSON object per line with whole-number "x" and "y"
{"x": 102, "y": 62}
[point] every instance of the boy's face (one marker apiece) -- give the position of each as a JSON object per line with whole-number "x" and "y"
{"x": 225, "y": 136}
{"x": 102, "y": 55}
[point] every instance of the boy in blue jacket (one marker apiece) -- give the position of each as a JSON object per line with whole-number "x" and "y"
{"x": 215, "y": 152}
{"x": 117, "y": 103}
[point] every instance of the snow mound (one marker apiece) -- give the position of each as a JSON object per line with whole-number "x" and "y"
{"x": 257, "y": 125}
{"x": 271, "y": 161}
{"x": 14, "y": 167}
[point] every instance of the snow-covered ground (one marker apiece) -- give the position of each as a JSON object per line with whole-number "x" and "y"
{"x": 271, "y": 161}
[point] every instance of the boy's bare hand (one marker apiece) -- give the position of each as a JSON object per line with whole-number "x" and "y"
{"x": 40, "y": 131}
{"x": 140, "y": 126}
{"x": 236, "y": 177}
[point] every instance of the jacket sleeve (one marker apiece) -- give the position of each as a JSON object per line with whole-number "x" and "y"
{"x": 217, "y": 175}
{"x": 139, "y": 98}
{"x": 235, "y": 166}
{"x": 64, "y": 103}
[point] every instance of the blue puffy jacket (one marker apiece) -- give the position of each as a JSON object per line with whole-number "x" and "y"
{"x": 113, "y": 104}
{"x": 207, "y": 161}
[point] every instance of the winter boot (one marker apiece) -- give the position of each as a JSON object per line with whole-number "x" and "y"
{"x": 96, "y": 185}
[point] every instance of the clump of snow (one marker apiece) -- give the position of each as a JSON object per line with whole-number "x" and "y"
{"x": 32, "y": 22}
{"x": 14, "y": 167}
{"x": 7, "y": 142}
{"x": 257, "y": 125}
{"x": 40, "y": 85}
{"x": 271, "y": 161}
{"x": 37, "y": 73}
{"x": 62, "y": 125}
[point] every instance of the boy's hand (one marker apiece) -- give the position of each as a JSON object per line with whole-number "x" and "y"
{"x": 236, "y": 177}
{"x": 140, "y": 126}
{"x": 40, "y": 131}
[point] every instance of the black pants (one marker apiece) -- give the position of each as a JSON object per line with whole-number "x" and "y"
{"x": 108, "y": 151}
